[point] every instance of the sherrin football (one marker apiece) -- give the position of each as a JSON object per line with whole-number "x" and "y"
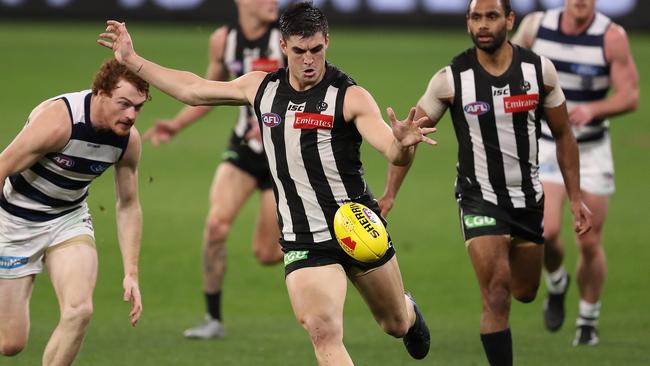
{"x": 360, "y": 232}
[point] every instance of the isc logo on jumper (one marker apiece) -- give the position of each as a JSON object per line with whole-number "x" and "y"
{"x": 271, "y": 119}
{"x": 296, "y": 107}
{"x": 477, "y": 108}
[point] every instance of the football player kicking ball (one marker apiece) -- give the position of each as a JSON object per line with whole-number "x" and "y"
{"x": 312, "y": 118}
{"x": 497, "y": 93}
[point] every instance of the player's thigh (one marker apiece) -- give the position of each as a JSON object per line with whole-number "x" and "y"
{"x": 14, "y": 306}
{"x": 73, "y": 270}
{"x": 230, "y": 189}
{"x": 382, "y": 289}
{"x": 490, "y": 258}
{"x": 554, "y": 197}
{"x": 317, "y": 294}
{"x": 267, "y": 231}
{"x": 526, "y": 260}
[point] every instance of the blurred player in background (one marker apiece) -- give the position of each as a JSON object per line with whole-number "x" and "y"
{"x": 67, "y": 142}
{"x": 591, "y": 54}
{"x": 497, "y": 94}
{"x": 251, "y": 45}
{"x": 313, "y": 119}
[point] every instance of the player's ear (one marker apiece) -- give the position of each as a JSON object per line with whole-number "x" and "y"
{"x": 510, "y": 21}
{"x": 283, "y": 45}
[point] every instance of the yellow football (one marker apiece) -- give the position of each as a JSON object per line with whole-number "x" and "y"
{"x": 360, "y": 232}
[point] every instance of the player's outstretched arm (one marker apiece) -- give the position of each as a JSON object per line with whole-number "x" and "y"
{"x": 48, "y": 129}
{"x": 182, "y": 85}
{"x": 129, "y": 222}
{"x": 396, "y": 144}
{"x": 431, "y": 107}
{"x": 163, "y": 131}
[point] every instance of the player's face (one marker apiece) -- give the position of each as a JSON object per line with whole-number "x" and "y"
{"x": 306, "y": 57}
{"x": 488, "y": 25}
{"x": 120, "y": 110}
{"x": 582, "y": 10}
{"x": 264, "y": 10}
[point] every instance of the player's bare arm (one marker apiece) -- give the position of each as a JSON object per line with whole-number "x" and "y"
{"x": 624, "y": 78}
{"x": 48, "y": 129}
{"x": 527, "y": 30}
{"x": 129, "y": 222}
{"x": 182, "y": 85}
{"x": 430, "y": 109}
{"x": 164, "y": 131}
{"x": 557, "y": 118}
{"x": 396, "y": 145}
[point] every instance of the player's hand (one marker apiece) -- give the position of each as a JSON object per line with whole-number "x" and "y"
{"x": 117, "y": 38}
{"x": 581, "y": 217}
{"x": 162, "y": 132}
{"x": 132, "y": 295}
{"x": 408, "y": 132}
{"x": 386, "y": 204}
{"x": 254, "y": 132}
{"x": 580, "y": 115}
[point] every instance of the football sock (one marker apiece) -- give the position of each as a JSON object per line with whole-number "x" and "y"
{"x": 589, "y": 313}
{"x": 556, "y": 281}
{"x": 213, "y": 303}
{"x": 498, "y": 347}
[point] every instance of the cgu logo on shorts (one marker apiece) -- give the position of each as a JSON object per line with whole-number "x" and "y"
{"x": 473, "y": 222}
{"x": 520, "y": 103}
{"x": 13, "y": 262}
{"x": 271, "y": 119}
{"x": 295, "y": 255}
{"x": 313, "y": 120}
{"x": 477, "y": 108}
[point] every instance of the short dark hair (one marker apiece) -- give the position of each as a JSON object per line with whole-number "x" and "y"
{"x": 111, "y": 72}
{"x": 302, "y": 19}
{"x": 507, "y": 9}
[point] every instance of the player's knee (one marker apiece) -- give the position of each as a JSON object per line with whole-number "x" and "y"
{"x": 217, "y": 230}
{"x": 11, "y": 347}
{"x": 268, "y": 254}
{"x": 497, "y": 297}
{"x": 78, "y": 314}
{"x": 551, "y": 232}
{"x": 589, "y": 245}
{"x": 322, "y": 330}
{"x": 525, "y": 295}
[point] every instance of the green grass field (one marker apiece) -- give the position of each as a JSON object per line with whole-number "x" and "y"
{"x": 40, "y": 60}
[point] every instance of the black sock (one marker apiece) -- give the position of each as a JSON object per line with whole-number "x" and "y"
{"x": 213, "y": 303}
{"x": 498, "y": 347}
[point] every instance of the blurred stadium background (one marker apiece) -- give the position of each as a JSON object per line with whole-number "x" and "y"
{"x": 48, "y": 47}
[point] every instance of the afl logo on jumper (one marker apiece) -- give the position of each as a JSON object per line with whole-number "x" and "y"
{"x": 271, "y": 119}
{"x": 477, "y": 108}
{"x": 63, "y": 161}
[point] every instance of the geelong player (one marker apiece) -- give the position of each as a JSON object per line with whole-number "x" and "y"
{"x": 591, "y": 54}
{"x": 313, "y": 118}
{"x": 68, "y": 141}
{"x": 497, "y": 94}
{"x": 253, "y": 44}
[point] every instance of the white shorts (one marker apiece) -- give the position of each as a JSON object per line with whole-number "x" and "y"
{"x": 23, "y": 243}
{"x": 596, "y": 165}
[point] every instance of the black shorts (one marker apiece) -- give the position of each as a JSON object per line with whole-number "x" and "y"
{"x": 305, "y": 255}
{"x": 479, "y": 217}
{"x": 255, "y": 164}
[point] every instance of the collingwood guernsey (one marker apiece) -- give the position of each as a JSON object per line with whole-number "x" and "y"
{"x": 497, "y": 123}
{"x": 58, "y": 183}
{"x": 313, "y": 153}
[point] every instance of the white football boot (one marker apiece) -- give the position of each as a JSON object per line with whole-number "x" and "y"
{"x": 209, "y": 328}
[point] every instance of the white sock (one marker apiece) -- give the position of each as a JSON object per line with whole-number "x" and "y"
{"x": 589, "y": 313}
{"x": 556, "y": 281}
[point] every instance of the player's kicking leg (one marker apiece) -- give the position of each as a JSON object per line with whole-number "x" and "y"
{"x": 14, "y": 314}
{"x": 231, "y": 187}
{"x": 396, "y": 313}
{"x": 317, "y": 296}
{"x": 72, "y": 267}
